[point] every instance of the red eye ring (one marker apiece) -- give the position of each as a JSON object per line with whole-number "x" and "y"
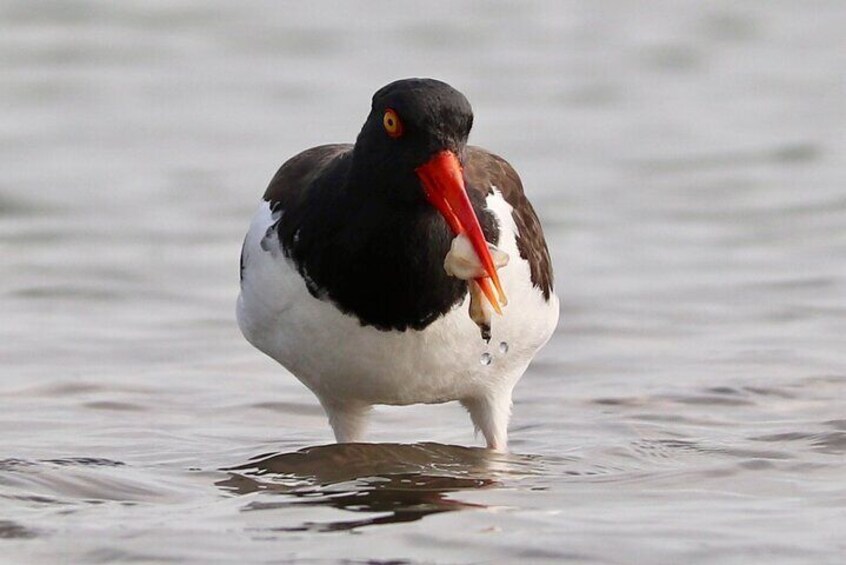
{"x": 392, "y": 123}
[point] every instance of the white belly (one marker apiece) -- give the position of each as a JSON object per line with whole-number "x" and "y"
{"x": 338, "y": 358}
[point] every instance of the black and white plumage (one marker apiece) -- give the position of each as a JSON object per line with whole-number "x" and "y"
{"x": 342, "y": 270}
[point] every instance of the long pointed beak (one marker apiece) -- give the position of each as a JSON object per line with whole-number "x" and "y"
{"x": 443, "y": 185}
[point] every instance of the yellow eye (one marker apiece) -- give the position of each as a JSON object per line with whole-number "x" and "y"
{"x": 392, "y": 123}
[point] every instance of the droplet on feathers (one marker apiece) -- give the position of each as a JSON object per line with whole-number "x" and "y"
{"x": 503, "y": 347}
{"x": 486, "y": 359}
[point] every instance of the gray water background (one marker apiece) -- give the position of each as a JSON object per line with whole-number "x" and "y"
{"x": 688, "y": 160}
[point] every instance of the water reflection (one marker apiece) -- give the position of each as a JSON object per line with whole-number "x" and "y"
{"x": 400, "y": 483}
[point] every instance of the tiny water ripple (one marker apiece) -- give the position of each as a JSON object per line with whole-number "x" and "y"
{"x": 12, "y": 530}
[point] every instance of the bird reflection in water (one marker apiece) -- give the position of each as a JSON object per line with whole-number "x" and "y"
{"x": 400, "y": 483}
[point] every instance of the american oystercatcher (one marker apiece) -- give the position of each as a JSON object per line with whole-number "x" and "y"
{"x": 377, "y": 273}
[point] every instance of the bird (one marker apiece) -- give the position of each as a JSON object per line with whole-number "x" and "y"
{"x": 408, "y": 267}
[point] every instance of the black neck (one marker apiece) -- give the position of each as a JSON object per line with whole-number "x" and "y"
{"x": 376, "y": 255}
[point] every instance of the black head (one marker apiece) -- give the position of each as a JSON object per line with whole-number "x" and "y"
{"x": 410, "y": 151}
{"x": 410, "y": 120}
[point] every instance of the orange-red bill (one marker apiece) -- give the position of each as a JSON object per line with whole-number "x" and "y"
{"x": 485, "y": 286}
{"x": 443, "y": 185}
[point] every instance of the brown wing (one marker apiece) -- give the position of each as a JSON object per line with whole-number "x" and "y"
{"x": 296, "y": 174}
{"x": 482, "y": 170}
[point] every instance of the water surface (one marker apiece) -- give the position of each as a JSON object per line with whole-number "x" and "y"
{"x": 687, "y": 160}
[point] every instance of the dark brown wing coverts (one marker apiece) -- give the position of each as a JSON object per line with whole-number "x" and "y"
{"x": 297, "y": 173}
{"x": 482, "y": 170}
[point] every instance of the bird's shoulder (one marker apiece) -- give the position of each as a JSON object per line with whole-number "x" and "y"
{"x": 293, "y": 178}
{"x": 485, "y": 171}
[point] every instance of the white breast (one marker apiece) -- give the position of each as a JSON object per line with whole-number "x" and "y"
{"x": 338, "y": 358}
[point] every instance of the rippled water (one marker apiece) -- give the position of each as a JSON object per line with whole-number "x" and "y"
{"x": 689, "y": 163}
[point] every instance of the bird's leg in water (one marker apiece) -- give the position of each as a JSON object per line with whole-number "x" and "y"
{"x": 490, "y": 415}
{"x": 462, "y": 262}
{"x": 348, "y": 419}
